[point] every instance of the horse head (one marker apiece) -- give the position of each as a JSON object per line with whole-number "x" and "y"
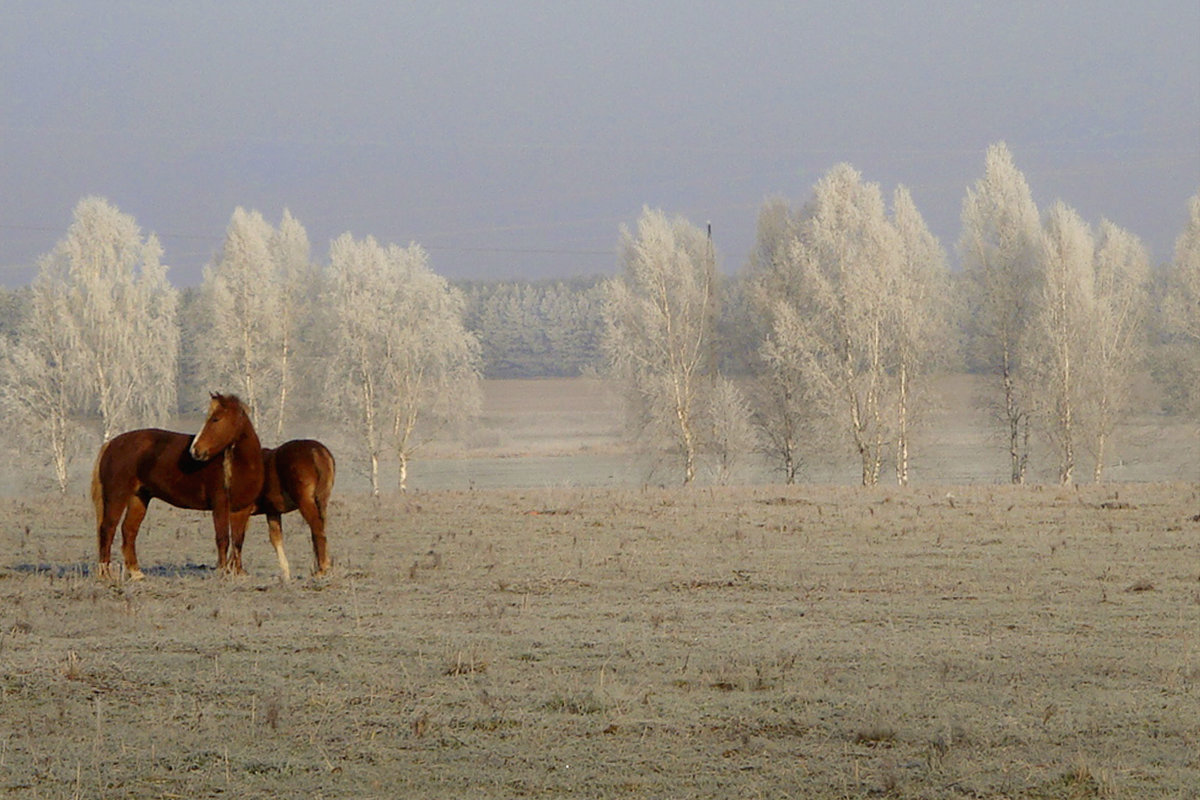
{"x": 224, "y": 425}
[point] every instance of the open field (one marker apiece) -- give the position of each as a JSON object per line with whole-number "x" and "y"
{"x": 822, "y": 642}
{"x": 566, "y": 433}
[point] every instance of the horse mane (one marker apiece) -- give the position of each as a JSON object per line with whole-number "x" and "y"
{"x": 227, "y": 400}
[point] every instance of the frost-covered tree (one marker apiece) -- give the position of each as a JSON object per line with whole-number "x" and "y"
{"x": 659, "y": 319}
{"x": 13, "y": 303}
{"x": 1062, "y": 329}
{"x": 784, "y": 409}
{"x": 538, "y": 329}
{"x": 122, "y": 309}
{"x": 434, "y": 367}
{"x": 42, "y": 382}
{"x": 1183, "y": 301}
{"x": 918, "y": 332}
{"x": 255, "y": 305}
{"x": 1000, "y": 247}
{"x": 100, "y": 338}
{"x": 298, "y": 285}
{"x": 783, "y": 406}
{"x": 1086, "y": 334}
{"x": 1182, "y": 310}
{"x": 733, "y": 435}
{"x": 839, "y": 324}
{"x": 1116, "y": 348}
{"x": 847, "y": 304}
{"x": 239, "y": 344}
{"x": 401, "y": 364}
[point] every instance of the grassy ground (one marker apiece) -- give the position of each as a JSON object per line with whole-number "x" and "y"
{"x": 821, "y": 642}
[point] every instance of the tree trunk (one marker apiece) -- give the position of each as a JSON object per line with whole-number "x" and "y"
{"x": 283, "y": 385}
{"x": 1066, "y": 473}
{"x": 902, "y": 432}
{"x": 685, "y": 432}
{"x": 1013, "y": 416}
{"x": 1101, "y": 444}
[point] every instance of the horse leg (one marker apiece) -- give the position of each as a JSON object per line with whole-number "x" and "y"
{"x": 221, "y": 528}
{"x": 106, "y": 529}
{"x": 237, "y": 532}
{"x": 135, "y": 513}
{"x": 275, "y": 526}
{"x": 314, "y": 514}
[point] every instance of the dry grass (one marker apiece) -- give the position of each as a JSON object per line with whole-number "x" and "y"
{"x": 813, "y": 642}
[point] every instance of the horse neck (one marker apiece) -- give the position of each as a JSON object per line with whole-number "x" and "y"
{"x": 244, "y": 465}
{"x": 246, "y": 445}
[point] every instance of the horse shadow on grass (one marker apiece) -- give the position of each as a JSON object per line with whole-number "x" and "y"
{"x": 86, "y": 570}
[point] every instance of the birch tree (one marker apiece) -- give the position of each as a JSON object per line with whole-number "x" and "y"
{"x": 1182, "y": 306}
{"x": 844, "y": 260}
{"x": 402, "y": 366}
{"x": 1063, "y": 327}
{"x": 659, "y": 319}
{"x": 918, "y": 332}
{"x": 298, "y": 282}
{"x": 122, "y": 309}
{"x": 1183, "y": 299}
{"x": 42, "y": 383}
{"x": 784, "y": 408}
{"x": 1116, "y": 348}
{"x": 242, "y": 330}
{"x": 1000, "y": 246}
{"x": 783, "y": 402}
{"x": 357, "y": 288}
{"x": 733, "y": 435}
{"x": 434, "y": 365}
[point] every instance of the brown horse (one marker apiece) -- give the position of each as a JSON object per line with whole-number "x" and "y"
{"x": 298, "y": 475}
{"x": 185, "y": 471}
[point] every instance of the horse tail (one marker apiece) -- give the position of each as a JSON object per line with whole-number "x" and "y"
{"x": 98, "y": 485}
{"x": 326, "y": 470}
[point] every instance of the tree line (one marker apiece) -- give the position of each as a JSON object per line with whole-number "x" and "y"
{"x": 827, "y": 337}
{"x": 373, "y": 340}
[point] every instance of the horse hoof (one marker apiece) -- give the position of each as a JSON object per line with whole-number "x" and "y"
{"x": 136, "y": 574}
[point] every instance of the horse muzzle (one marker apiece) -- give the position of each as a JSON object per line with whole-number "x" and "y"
{"x": 199, "y": 455}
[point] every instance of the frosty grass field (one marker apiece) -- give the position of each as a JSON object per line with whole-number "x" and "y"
{"x": 547, "y": 640}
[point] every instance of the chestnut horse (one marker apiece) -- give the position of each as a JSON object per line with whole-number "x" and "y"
{"x": 219, "y": 469}
{"x": 298, "y": 475}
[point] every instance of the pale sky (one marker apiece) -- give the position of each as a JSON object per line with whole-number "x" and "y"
{"x": 513, "y": 139}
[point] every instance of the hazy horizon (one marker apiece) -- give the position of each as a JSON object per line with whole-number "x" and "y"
{"x": 513, "y": 140}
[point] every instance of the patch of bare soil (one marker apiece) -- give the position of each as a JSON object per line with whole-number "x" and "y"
{"x": 816, "y": 642}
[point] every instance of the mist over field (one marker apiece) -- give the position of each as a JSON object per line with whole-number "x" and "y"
{"x": 568, "y": 433}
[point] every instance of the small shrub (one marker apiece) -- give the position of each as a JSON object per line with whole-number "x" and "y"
{"x": 877, "y": 734}
{"x": 582, "y": 703}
